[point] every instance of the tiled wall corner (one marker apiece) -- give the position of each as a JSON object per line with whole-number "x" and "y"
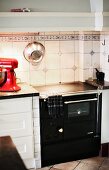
{"x": 89, "y": 47}
{"x": 36, "y": 127}
{"x": 104, "y": 54}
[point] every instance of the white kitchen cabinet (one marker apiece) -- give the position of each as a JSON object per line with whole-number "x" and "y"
{"x": 105, "y": 117}
{"x": 16, "y": 120}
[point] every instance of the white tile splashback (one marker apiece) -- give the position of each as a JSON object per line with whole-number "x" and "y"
{"x": 37, "y": 77}
{"x": 67, "y": 60}
{"x": 87, "y": 47}
{"x": 69, "y": 56}
{"x": 67, "y": 75}
{"x": 52, "y": 47}
{"x": 52, "y": 76}
{"x": 52, "y": 61}
{"x": 67, "y": 47}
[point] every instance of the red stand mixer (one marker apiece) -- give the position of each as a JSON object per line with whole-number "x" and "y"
{"x": 7, "y": 75}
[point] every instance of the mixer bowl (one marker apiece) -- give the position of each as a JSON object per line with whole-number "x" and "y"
{"x": 3, "y": 77}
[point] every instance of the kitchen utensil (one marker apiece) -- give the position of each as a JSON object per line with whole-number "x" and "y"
{"x": 99, "y": 75}
{"x": 8, "y": 76}
{"x": 34, "y": 52}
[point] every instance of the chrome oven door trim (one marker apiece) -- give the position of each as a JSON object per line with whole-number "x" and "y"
{"x": 78, "y": 101}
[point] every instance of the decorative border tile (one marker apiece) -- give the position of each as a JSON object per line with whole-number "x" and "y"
{"x": 94, "y": 37}
{"x": 28, "y": 37}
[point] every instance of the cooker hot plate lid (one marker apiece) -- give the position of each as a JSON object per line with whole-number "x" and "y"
{"x": 64, "y": 89}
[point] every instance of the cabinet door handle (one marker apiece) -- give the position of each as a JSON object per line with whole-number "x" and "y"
{"x": 89, "y": 133}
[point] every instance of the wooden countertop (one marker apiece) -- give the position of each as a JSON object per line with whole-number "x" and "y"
{"x": 9, "y": 156}
{"x": 26, "y": 91}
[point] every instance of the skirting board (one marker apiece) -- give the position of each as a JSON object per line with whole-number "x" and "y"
{"x": 104, "y": 150}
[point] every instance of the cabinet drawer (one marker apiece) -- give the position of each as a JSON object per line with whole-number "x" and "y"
{"x": 24, "y": 146}
{"x": 16, "y": 125}
{"x": 15, "y": 105}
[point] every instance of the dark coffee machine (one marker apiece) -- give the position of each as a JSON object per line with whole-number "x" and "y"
{"x": 100, "y": 76}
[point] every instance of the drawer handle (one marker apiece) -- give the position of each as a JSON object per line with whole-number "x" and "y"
{"x": 89, "y": 133}
{"x": 60, "y": 130}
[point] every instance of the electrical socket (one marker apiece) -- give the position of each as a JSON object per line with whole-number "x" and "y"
{"x": 108, "y": 58}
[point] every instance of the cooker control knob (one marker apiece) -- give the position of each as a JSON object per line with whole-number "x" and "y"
{"x": 60, "y": 130}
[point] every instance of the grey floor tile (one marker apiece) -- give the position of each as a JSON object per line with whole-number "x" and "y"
{"x": 104, "y": 168}
{"x": 94, "y": 161}
{"x": 45, "y": 168}
{"x": 106, "y": 162}
{"x": 85, "y": 166}
{"x": 54, "y": 168}
{"x": 67, "y": 165}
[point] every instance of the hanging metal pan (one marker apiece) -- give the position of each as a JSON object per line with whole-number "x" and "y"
{"x": 34, "y": 52}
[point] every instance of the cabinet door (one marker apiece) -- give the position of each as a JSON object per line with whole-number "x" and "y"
{"x": 24, "y": 146}
{"x": 16, "y": 125}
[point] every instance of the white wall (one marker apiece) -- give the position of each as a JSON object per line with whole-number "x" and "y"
{"x": 47, "y": 5}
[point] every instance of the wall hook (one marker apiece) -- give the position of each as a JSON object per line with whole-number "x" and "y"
{"x": 103, "y": 42}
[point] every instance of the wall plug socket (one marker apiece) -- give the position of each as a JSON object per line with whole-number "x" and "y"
{"x": 108, "y": 58}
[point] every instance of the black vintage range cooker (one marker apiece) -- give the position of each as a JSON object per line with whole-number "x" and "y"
{"x": 70, "y": 122}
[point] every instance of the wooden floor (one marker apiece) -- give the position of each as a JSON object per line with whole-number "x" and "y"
{"x": 95, "y": 163}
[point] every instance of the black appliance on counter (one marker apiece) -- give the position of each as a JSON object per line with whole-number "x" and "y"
{"x": 70, "y": 127}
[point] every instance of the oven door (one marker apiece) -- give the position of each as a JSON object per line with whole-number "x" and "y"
{"x": 80, "y": 116}
{"x": 51, "y": 131}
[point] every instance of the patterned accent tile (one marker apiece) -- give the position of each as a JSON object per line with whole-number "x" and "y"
{"x": 96, "y": 37}
{"x": 74, "y": 67}
{"x": 92, "y": 53}
{"x": 81, "y": 37}
{"x": 60, "y": 53}
{"x": 45, "y": 70}
{"x": 90, "y": 37}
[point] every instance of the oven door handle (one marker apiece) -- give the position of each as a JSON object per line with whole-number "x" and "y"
{"x": 78, "y": 101}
